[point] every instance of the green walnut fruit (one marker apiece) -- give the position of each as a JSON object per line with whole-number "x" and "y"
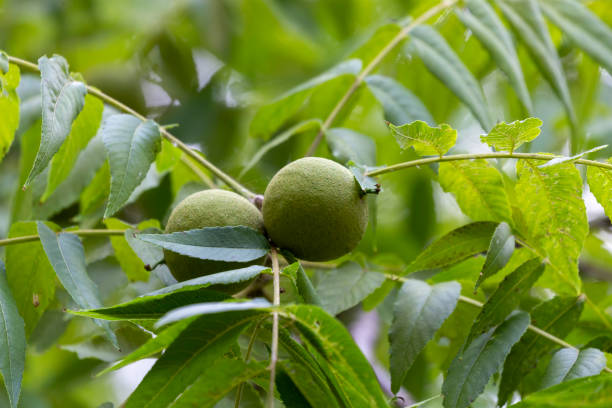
{"x": 209, "y": 208}
{"x": 313, "y": 207}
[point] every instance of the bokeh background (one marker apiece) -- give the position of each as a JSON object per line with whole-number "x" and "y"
{"x": 206, "y": 66}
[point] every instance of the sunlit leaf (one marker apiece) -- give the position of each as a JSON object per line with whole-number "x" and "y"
{"x": 418, "y": 313}
{"x": 478, "y": 188}
{"x": 471, "y": 370}
{"x": 62, "y": 100}
{"x": 581, "y": 392}
{"x": 499, "y": 253}
{"x": 231, "y": 244}
{"x": 302, "y": 282}
{"x": 442, "y": 61}
{"x": 558, "y": 317}
{"x": 9, "y": 106}
{"x": 568, "y": 364}
{"x": 425, "y": 140}
{"x": 12, "y": 341}
{"x": 565, "y": 159}
{"x": 131, "y": 146}
{"x": 510, "y": 136}
{"x": 600, "y": 183}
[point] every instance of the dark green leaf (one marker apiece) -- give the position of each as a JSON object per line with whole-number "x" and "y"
{"x": 32, "y": 281}
{"x": 583, "y": 27}
{"x": 418, "y": 313}
{"x": 346, "y": 286}
{"x": 442, "y": 61}
{"x": 554, "y": 219}
{"x": 506, "y": 297}
{"x": 12, "y": 341}
{"x": 499, "y": 253}
{"x": 484, "y": 23}
{"x": 62, "y": 100}
{"x": 193, "y": 352}
{"x": 67, "y": 256}
{"x": 425, "y": 140}
{"x": 199, "y": 309}
{"x": 336, "y": 348}
{"x": 478, "y": 188}
{"x": 347, "y": 145}
{"x": 591, "y": 392}
{"x": 9, "y": 106}
{"x": 558, "y": 317}
{"x": 231, "y": 244}
{"x": 368, "y": 185}
{"x": 568, "y": 364}
{"x": 471, "y": 369}
{"x": 454, "y": 247}
{"x": 302, "y": 281}
{"x": 510, "y": 136}
{"x": 131, "y": 146}
{"x": 600, "y": 183}
{"x": 289, "y": 392}
{"x": 400, "y": 105}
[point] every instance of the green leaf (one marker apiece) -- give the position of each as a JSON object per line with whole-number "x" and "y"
{"x": 345, "y": 286}
{"x": 294, "y": 130}
{"x": 400, "y": 105}
{"x": 208, "y": 389}
{"x": 565, "y": 159}
{"x": 554, "y": 218}
{"x": 499, "y": 253}
{"x": 478, "y": 188}
{"x": 583, "y": 27}
{"x": 558, "y": 317}
{"x": 506, "y": 297}
{"x": 600, "y": 183}
{"x": 289, "y": 392}
{"x": 484, "y": 23}
{"x": 193, "y": 352}
{"x": 568, "y": 364}
{"x": 418, "y": 313}
{"x": 271, "y": 117}
{"x": 367, "y": 184}
{"x": 12, "y": 341}
{"x": 153, "y": 346}
{"x": 153, "y": 306}
{"x": 231, "y": 244}
{"x": 30, "y": 275}
{"x": 442, "y": 61}
{"x": 454, "y": 247}
{"x": 67, "y": 256}
{"x": 375, "y": 42}
{"x": 526, "y": 19}
{"x": 199, "y": 309}
{"x": 425, "y": 140}
{"x": 131, "y": 146}
{"x": 591, "y": 392}
{"x": 98, "y": 190}
{"x": 84, "y": 128}
{"x": 302, "y": 281}
{"x": 62, "y": 100}
{"x": 347, "y": 145}
{"x": 510, "y": 136}
{"x": 9, "y": 106}
{"x": 168, "y": 156}
{"x": 4, "y": 62}
{"x": 336, "y": 348}
{"x": 471, "y": 369}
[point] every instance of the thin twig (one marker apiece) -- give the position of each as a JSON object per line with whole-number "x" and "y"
{"x": 276, "y": 302}
{"x": 373, "y": 64}
{"x": 476, "y": 303}
{"x": 494, "y": 155}
{"x": 81, "y": 232}
{"x": 236, "y": 186}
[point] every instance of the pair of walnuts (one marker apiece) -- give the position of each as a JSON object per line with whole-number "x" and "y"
{"x": 312, "y": 207}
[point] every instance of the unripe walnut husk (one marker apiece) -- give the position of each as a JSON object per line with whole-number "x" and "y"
{"x": 210, "y": 208}
{"x": 313, "y": 207}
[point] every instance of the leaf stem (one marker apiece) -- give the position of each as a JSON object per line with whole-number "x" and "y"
{"x": 246, "y": 360}
{"x": 373, "y": 64}
{"x": 233, "y": 184}
{"x": 476, "y": 303}
{"x": 470, "y": 156}
{"x": 82, "y": 233}
{"x": 276, "y": 302}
